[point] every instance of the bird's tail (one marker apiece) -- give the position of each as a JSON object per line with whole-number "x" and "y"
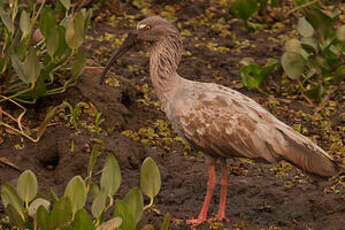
{"x": 307, "y": 155}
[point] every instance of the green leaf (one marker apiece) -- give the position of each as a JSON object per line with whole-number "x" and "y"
{"x": 150, "y": 178}
{"x": 98, "y": 205}
{"x": 310, "y": 44}
{"x": 316, "y": 92}
{"x": 94, "y": 190}
{"x": 82, "y": 221}
{"x": 322, "y": 23}
{"x": 32, "y": 66}
{"x": 15, "y": 218}
{"x": 135, "y": 202}
{"x": 9, "y": 196}
{"x": 304, "y": 28}
{"x": 111, "y": 176}
{"x": 5, "y": 17}
{"x": 93, "y": 158}
{"x": 293, "y": 45}
{"x": 24, "y": 23}
{"x": 75, "y": 31}
{"x": 63, "y": 47}
{"x": 250, "y": 75}
{"x": 43, "y": 218}
{"x": 293, "y": 64}
{"x": 166, "y": 222}
{"x": 244, "y": 9}
{"x": 27, "y": 186}
{"x": 121, "y": 210}
{"x": 19, "y": 68}
{"x": 78, "y": 64}
{"x": 341, "y": 33}
{"x": 52, "y": 42}
{"x": 66, "y": 3}
{"x": 340, "y": 72}
{"x": 111, "y": 224}
{"x": 47, "y": 21}
{"x": 34, "y": 205}
{"x": 76, "y": 192}
{"x": 61, "y": 213}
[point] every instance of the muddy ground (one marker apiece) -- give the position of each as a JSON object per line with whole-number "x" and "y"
{"x": 261, "y": 196}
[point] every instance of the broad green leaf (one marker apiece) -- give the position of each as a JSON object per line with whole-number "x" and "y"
{"x": 94, "y": 190}
{"x": 166, "y": 222}
{"x": 78, "y": 64}
{"x": 34, "y": 205}
{"x": 32, "y": 66}
{"x": 135, "y": 202}
{"x": 111, "y": 176}
{"x": 63, "y": 47}
{"x": 310, "y": 44}
{"x": 244, "y": 9}
{"x": 250, "y": 76}
{"x": 322, "y": 23}
{"x": 150, "y": 178}
{"x": 82, "y": 221}
{"x": 340, "y": 72}
{"x": 47, "y": 21}
{"x": 15, "y": 218}
{"x": 19, "y": 68}
{"x": 75, "y": 31}
{"x": 24, "y": 23}
{"x": 316, "y": 92}
{"x": 5, "y": 17}
{"x": 341, "y": 33}
{"x": 304, "y": 28}
{"x": 10, "y": 196}
{"x": 293, "y": 45}
{"x": 76, "y": 192}
{"x": 293, "y": 64}
{"x": 43, "y": 218}
{"x": 93, "y": 158}
{"x": 128, "y": 220}
{"x": 61, "y": 213}
{"x": 98, "y": 205}
{"x": 66, "y": 3}
{"x": 111, "y": 224}
{"x": 27, "y": 186}
{"x": 52, "y": 41}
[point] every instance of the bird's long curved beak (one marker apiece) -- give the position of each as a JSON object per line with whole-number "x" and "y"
{"x": 126, "y": 45}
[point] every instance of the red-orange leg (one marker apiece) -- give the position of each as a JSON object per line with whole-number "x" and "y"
{"x": 211, "y": 184}
{"x": 223, "y": 192}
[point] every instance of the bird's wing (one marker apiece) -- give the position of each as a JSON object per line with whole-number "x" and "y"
{"x": 226, "y": 123}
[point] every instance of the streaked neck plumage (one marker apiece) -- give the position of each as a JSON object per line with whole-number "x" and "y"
{"x": 164, "y": 60}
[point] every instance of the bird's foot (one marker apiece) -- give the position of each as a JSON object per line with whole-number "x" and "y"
{"x": 196, "y": 222}
{"x": 221, "y": 218}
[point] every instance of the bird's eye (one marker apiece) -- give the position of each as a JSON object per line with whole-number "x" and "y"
{"x": 147, "y": 27}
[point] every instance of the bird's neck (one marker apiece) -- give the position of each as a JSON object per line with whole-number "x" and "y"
{"x": 164, "y": 60}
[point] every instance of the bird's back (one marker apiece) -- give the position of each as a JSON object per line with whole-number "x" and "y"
{"x": 226, "y": 123}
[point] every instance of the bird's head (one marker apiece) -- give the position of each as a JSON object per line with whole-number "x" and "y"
{"x": 154, "y": 29}
{"x": 150, "y": 29}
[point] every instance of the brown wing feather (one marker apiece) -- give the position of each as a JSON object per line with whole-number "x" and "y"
{"x": 225, "y": 123}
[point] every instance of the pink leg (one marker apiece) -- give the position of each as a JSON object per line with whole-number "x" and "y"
{"x": 223, "y": 192}
{"x": 211, "y": 184}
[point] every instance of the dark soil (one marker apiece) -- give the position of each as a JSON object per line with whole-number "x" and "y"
{"x": 261, "y": 196}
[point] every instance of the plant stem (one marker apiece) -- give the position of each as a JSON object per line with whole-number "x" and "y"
{"x": 150, "y": 204}
{"x": 300, "y": 7}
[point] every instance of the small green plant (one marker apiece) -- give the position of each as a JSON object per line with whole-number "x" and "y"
{"x": 317, "y": 58}
{"x": 27, "y": 210}
{"x": 41, "y": 56}
{"x": 246, "y": 9}
{"x": 253, "y": 75}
